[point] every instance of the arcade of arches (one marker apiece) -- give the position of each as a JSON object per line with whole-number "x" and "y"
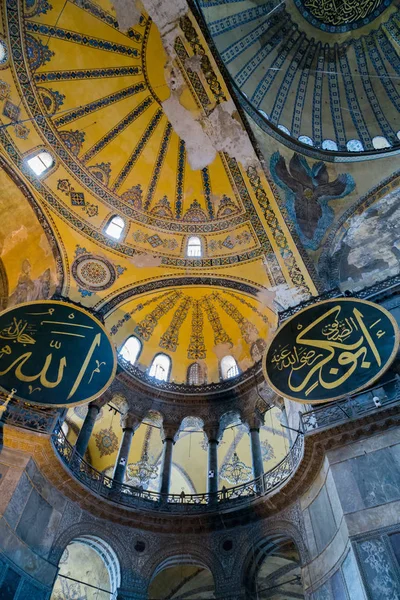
{"x": 191, "y": 171}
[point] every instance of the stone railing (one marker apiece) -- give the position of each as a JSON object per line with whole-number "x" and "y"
{"x": 29, "y": 416}
{"x": 135, "y": 497}
{"x": 359, "y": 405}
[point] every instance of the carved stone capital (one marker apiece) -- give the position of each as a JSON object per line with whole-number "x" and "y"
{"x": 169, "y": 431}
{"x": 130, "y": 421}
{"x": 213, "y": 431}
{"x": 253, "y": 420}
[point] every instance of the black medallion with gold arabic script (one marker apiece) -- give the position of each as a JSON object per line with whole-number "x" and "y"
{"x": 55, "y": 354}
{"x": 331, "y": 350}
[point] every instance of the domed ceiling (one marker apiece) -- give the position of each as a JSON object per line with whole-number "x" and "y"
{"x": 99, "y": 99}
{"x": 324, "y": 73}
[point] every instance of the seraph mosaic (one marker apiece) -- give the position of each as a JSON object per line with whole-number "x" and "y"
{"x": 308, "y": 193}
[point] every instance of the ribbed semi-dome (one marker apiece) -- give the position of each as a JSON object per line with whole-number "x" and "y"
{"x": 328, "y": 78}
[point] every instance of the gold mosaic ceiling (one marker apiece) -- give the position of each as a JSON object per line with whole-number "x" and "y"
{"x": 92, "y": 95}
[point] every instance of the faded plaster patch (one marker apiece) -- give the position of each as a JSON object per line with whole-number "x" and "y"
{"x": 143, "y": 261}
{"x": 44, "y": 244}
{"x": 200, "y": 151}
{"x": 221, "y": 350}
{"x": 128, "y": 13}
{"x": 204, "y": 135}
{"x": 13, "y": 239}
{"x": 194, "y": 63}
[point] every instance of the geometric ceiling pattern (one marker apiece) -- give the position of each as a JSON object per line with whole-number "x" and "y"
{"x": 72, "y": 83}
{"x": 195, "y": 324}
{"x": 325, "y": 73}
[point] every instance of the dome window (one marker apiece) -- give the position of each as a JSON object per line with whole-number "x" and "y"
{"x": 160, "y": 367}
{"x": 194, "y": 374}
{"x": 379, "y": 142}
{"x": 194, "y": 249}
{"x": 3, "y": 52}
{"x": 115, "y": 227}
{"x": 284, "y": 129}
{"x": 329, "y": 145}
{"x": 304, "y": 139}
{"x": 40, "y": 162}
{"x": 354, "y": 146}
{"x": 131, "y": 349}
{"x": 229, "y": 367}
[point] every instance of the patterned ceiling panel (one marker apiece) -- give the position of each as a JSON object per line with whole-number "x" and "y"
{"x": 336, "y": 93}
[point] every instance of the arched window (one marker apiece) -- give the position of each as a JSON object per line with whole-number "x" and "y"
{"x": 229, "y": 367}
{"x": 160, "y": 367}
{"x": 264, "y": 114}
{"x": 398, "y": 134}
{"x": 304, "y": 139}
{"x": 284, "y": 129}
{"x": 131, "y": 349}
{"x": 354, "y": 146}
{"x": 194, "y": 247}
{"x": 115, "y": 227}
{"x": 194, "y": 374}
{"x": 40, "y": 162}
{"x": 379, "y": 142}
{"x": 3, "y": 52}
{"x": 329, "y": 145}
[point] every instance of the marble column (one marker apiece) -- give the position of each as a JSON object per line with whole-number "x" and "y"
{"x": 169, "y": 434}
{"x": 256, "y": 454}
{"x": 213, "y": 434}
{"x": 254, "y": 423}
{"x": 129, "y": 425}
{"x": 82, "y": 441}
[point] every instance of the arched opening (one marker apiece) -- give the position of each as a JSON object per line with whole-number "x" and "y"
{"x": 89, "y": 569}
{"x": 115, "y": 227}
{"x": 131, "y": 349}
{"x": 329, "y": 145}
{"x": 160, "y": 367}
{"x": 229, "y": 367}
{"x": 273, "y": 570}
{"x": 354, "y": 146}
{"x": 193, "y": 248}
{"x": 284, "y": 129}
{"x": 196, "y": 374}
{"x": 189, "y": 472}
{"x": 379, "y": 142}
{"x": 305, "y": 139}
{"x": 40, "y": 162}
{"x": 182, "y": 577}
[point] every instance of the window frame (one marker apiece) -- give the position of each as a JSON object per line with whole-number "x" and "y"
{"x": 169, "y": 368}
{"x": 196, "y": 237}
{"x": 221, "y": 368}
{"x": 36, "y": 154}
{"x": 190, "y": 367}
{"x": 139, "y": 351}
{"x": 109, "y": 222}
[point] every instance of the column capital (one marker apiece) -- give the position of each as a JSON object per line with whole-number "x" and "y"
{"x": 212, "y": 431}
{"x": 253, "y": 421}
{"x": 130, "y": 421}
{"x": 169, "y": 431}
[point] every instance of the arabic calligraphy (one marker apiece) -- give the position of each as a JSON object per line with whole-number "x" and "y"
{"x": 333, "y": 354}
{"x": 341, "y": 12}
{"x": 66, "y": 358}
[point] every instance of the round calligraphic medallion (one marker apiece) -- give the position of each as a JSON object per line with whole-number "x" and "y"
{"x": 331, "y": 350}
{"x": 54, "y": 354}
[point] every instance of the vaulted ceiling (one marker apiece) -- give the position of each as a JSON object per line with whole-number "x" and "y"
{"x": 120, "y": 117}
{"x": 322, "y": 73}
